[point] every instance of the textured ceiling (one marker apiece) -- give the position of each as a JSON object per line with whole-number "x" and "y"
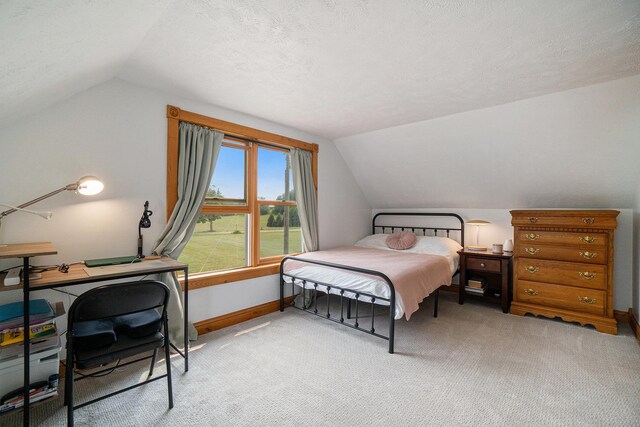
{"x": 51, "y": 50}
{"x": 332, "y": 68}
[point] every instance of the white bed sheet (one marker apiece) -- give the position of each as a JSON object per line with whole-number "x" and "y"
{"x": 442, "y": 246}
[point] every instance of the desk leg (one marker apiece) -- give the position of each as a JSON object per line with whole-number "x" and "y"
{"x": 186, "y": 319}
{"x": 27, "y": 376}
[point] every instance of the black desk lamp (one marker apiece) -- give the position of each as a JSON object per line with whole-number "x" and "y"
{"x": 145, "y": 222}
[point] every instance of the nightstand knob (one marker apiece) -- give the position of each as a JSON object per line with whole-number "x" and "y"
{"x": 482, "y": 265}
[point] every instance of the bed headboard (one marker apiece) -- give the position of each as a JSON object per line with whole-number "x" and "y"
{"x": 445, "y": 223}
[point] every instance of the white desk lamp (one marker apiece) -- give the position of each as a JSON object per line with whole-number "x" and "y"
{"x": 478, "y": 223}
{"x": 87, "y": 186}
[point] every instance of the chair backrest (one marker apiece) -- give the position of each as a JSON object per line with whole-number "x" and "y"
{"x": 119, "y": 299}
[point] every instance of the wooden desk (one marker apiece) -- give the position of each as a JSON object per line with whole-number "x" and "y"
{"x": 77, "y": 276}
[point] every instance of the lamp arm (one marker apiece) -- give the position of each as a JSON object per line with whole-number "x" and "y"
{"x": 70, "y": 187}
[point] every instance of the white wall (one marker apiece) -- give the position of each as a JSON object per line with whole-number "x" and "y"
{"x": 572, "y": 149}
{"x": 117, "y": 131}
{"x": 500, "y": 229}
{"x": 577, "y": 148}
{"x": 636, "y": 253}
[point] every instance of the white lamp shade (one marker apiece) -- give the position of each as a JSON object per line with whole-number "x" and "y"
{"x": 479, "y": 222}
{"x": 89, "y": 185}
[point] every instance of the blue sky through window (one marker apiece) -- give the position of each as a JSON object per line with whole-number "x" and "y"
{"x": 228, "y": 175}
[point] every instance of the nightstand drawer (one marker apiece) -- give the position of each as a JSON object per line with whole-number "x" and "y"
{"x": 482, "y": 264}
{"x": 587, "y": 240}
{"x": 566, "y": 253}
{"x": 563, "y": 273}
{"x": 567, "y": 297}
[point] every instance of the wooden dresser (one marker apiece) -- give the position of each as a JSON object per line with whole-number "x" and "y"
{"x": 563, "y": 265}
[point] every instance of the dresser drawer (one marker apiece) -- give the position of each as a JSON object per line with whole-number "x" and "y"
{"x": 567, "y": 297}
{"x": 591, "y": 276}
{"x": 580, "y": 220}
{"x": 562, "y": 253}
{"x": 592, "y": 240}
{"x": 481, "y": 264}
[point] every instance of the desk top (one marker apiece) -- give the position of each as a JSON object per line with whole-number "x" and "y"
{"x": 19, "y": 250}
{"x": 77, "y": 274}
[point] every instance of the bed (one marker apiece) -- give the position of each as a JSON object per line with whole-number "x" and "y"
{"x": 356, "y": 279}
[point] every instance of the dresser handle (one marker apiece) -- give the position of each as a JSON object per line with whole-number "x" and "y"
{"x": 587, "y": 300}
{"x": 588, "y": 239}
{"x": 587, "y": 275}
{"x": 533, "y": 220}
{"x": 588, "y": 255}
{"x": 532, "y": 269}
{"x": 532, "y": 236}
{"x": 532, "y": 251}
{"x": 482, "y": 265}
{"x": 531, "y": 292}
{"x": 588, "y": 221}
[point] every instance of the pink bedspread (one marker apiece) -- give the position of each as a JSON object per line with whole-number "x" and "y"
{"x": 414, "y": 276}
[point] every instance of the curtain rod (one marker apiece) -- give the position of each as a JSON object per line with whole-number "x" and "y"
{"x": 256, "y": 141}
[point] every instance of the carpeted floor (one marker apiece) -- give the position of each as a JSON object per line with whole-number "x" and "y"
{"x": 472, "y": 365}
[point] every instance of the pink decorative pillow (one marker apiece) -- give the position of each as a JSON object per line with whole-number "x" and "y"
{"x": 401, "y": 241}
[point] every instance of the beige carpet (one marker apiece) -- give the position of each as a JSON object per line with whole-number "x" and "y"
{"x": 472, "y": 365}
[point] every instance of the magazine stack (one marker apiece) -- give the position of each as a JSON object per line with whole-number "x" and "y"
{"x": 44, "y": 352}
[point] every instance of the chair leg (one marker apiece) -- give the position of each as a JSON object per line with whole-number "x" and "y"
{"x": 68, "y": 383}
{"x": 435, "y": 305}
{"x": 69, "y": 393}
{"x": 153, "y": 362}
{"x": 168, "y": 360}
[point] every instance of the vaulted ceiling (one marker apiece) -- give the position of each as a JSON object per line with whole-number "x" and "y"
{"x": 333, "y": 68}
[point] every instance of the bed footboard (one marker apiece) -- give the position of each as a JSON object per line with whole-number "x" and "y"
{"x": 359, "y": 297}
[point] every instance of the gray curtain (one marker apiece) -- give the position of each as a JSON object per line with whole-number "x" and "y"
{"x": 305, "y": 190}
{"x": 301, "y": 167}
{"x": 198, "y": 152}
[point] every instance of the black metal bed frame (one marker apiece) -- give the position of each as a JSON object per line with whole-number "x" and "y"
{"x": 356, "y": 296}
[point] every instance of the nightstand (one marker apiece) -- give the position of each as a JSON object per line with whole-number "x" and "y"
{"x": 494, "y": 270}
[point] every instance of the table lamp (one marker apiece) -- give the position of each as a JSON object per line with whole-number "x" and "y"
{"x": 87, "y": 186}
{"x": 478, "y": 223}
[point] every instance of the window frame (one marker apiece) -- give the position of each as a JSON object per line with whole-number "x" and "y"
{"x": 257, "y": 267}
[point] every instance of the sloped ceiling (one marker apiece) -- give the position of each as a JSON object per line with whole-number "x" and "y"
{"x": 51, "y": 50}
{"x": 332, "y": 68}
{"x": 573, "y": 149}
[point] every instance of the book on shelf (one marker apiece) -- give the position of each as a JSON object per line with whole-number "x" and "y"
{"x": 38, "y": 391}
{"x": 475, "y": 291}
{"x": 36, "y": 346}
{"x": 476, "y": 283}
{"x": 12, "y": 314}
{"x": 16, "y": 335}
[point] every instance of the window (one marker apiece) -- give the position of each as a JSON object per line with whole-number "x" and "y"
{"x": 249, "y": 220}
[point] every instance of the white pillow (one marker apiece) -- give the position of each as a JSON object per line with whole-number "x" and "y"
{"x": 424, "y": 245}
{"x": 433, "y": 245}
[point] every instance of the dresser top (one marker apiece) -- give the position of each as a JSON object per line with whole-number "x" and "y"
{"x": 562, "y": 212}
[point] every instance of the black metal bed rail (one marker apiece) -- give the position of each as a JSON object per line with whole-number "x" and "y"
{"x": 393, "y": 228}
{"x": 357, "y": 294}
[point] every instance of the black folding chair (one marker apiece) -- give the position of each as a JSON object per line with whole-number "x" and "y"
{"x": 113, "y": 322}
